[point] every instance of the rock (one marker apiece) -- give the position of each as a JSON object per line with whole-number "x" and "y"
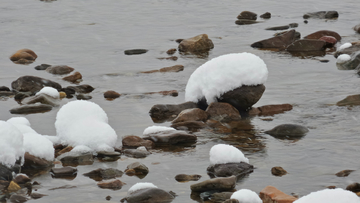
{"x": 163, "y": 112}
{"x": 196, "y": 45}
{"x": 63, "y": 151}
{"x": 357, "y": 28}
{"x": 33, "y": 84}
{"x": 245, "y": 22}
{"x": 344, "y": 173}
{"x": 75, "y": 159}
{"x": 173, "y": 93}
{"x": 230, "y": 169}
{"x": 186, "y": 178}
{"x": 108, "y": 198}
{"x": 84, "y": 89}
{"x": 31, "y": 108}
{"x": 139, "y": 168}
{"x": 350, "y": 50}
{"x": 133, "y": 141}
{"x": 23, "y": 56}
{"x": 220, "y": 196}
{"x": 171, "y": 138}
{"x": 179, "y": 40}
{"x": 135, "y": 51}
{"x": 4, "y": 89}
{"x": 278, "y": 42}
{"x": 174, "y": 58}
{"x": 269, "y": 110}
{"x": 13, "y": 187}
{"x": 59, "y": 70}
{"x": 83, "y": 97}
{"x": 271, "y": 194}
{"x": 266, "y": 15}
{"x": 6, "y": 94}
{"x": 288, "y": 131}
{"x": 306, "y": 45}
{"x": 189, "y": 125}
{"x": 111, "y": 184}
{"x": 222, "y": 112}
{"x": 329, "y": 40}
{"x": 74, "y": 78}
{"x": 220, "y": 184}
{"x": 231, "y": 201}
{"x": 136, "y": 153}
{"x": 278, "y": 171}
{"x": 5, "y": 173}
{"x": 171, "y": 51}
{"x": 41, "y": 98}
{"x": 247, "y": 15}
{"x": 42, "y": 67}
{"x": 176, "y": 68}
{"x": 284, "y": 27}
{"x": 33, "y": 162}
{"x": 149, "y": 195}
{"x": 297, "y": 34}
{"x": 352, "y": 100}
{"x": 108, "y": 156}
{"x": 21, "y": 179}
{"x": 194, "y": 114}
{"x": 62, "y": 95}
{"x": 352, "y": 64}
{"x": 322, "y": 15}
{"x": 101, "y": 174}
{"x": 354, "y": 187}
{"x": 111, "y": 94}
{"x": 35, "y": 195}
{"x": 18, "y": 198}
{"x": 68, "y": 91}
{"x": 322, "y": 33}
{"x": 64, "y": 172}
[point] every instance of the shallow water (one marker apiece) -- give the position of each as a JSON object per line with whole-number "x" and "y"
{"x": 91, "y": 37}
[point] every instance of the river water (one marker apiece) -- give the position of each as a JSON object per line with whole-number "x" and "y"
{"x": 91, "y": 36}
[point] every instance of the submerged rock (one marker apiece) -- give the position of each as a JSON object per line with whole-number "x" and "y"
{"x": 352, "y": 100}
{"x": 266, "y": 15}
{"x": 100, "y": 174}
{"x": 269, "y": 110}
{"x": 278, "y": 171}
{"x": 164, "y": 112}
{"x": 306, "y": 45}
{"x": 174, "y": 137}
{"x": 272, "y": 194}
{"x": 186, "y": 178}
{"x": 74, "y": 78}
{"x": 219, "y": 184}
{"x": 171, "y": 51}
{"x": 137, "y": 168}
{"x": 149, "y": 195}
{"x": 194, "y": 114}
{"x": 33, "y": 84}
{"x": 196, "y": 45}
{"x": 133, "y": 141}
{"x": 23, "y": 56}
{"x": 189, "y": 125}
{"x": 42, "y": 67}
{"x": 84, "y": 89}
{"x": 59, "y": 70}
{"x": 222, "y": 112}
{"x": 31, "y": 108}
{"x": 176, "y": 68}
{"x": 135, "y": 51}
{"x": 322, "y": 33}
{"x": 111, "y": 184}
{"x": 247, "y": 15}
{"x": 136, "y": 153}
{"x": 4, "y": 89}
{"x": 75, "y": 159}
{"x": 278, "y": 42}
{"x": 64, "y": 172}
{"x": 288, "y": 131}
{"x": 245, "y": 22}
{"x": 230, "y": 169}
{"x": 322, "y": 15}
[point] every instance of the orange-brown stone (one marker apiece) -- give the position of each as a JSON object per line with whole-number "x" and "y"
{"x": 271, "y": 194}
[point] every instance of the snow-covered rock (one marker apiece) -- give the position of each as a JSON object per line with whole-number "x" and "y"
{"x": 337, "y": 195}
{"x": 344, "y": 46}
{"x": 223, "y": 153}
{"x": 157, "y": 129}
{"x": 139, "y": 186}
{"x": 39, "y": 146}
{"x": 50, "y": 91}
{"x": 11, "y": 145}
{"x": 246, "y": 196}
{"x": 343, "y": 58}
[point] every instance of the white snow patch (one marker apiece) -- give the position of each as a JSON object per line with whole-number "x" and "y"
{"x": 337, "y": 195}
{"x": 22, "y": 124}
{"x": 246, "y": 196}
{"x": 343, "y": 58}
{"x": 81, "y": 149}
{"x": 142, "y": 148}
{"x": 39, "y": 146}
{"x": 54, "y": 139}
{"x": 156, "y": 129}
{"x": 50, "y": 91}
{"x": 11, "y": 145}
{"x": 344, "y": 46}
{"x": 223, "y": 153}
{"x": 139, "y": 186}
{"x": 223, "y": 74}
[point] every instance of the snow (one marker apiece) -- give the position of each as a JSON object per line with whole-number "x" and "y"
{"x": 223, "y": 74}
{"x": 246, "y": 196}
{"x": 22, "y": 124}
{"x": 54, "y": 139}
{"x": 223, "y": 153}
{"x": 85, "y": 123}
{"x": 81, "y": 149}
{"x": 50, "y": 91}
{"x": 11, "y": 145}
{"x": 156, "y": 129}
{"x": 344, "y": 46}
{"x": 139, "y": 186}
{"x": 330, "y": 196}
{"x": 343, "y": 58}
{"x": 39, "y": 146}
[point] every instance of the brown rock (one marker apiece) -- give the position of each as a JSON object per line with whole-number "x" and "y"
{"x": 354, "y": 187}
{"x": 171, "y": 51}
{"x": 139, "y": 168}
{"x": 343, "y": 173}
{"x": 194, "y": 114}
{"x": 136, "y": 153}
{"x": 220, "y": 184}
{"x": 134, "y": 141}
{"x": 189, "y": 125}
{"x": 173, "y": 58}
{"x": 278, "y": 171}
{"x": 186, "y": 178}
{"x": 322, "y": 33}
{"x": 31, "y": 108}
{"x": 218, "y": 126}
{"x": 35, "y": 162}
{"x": 163, "y": 112}
{"x": 247, "y": 15}
{"x": 222, "y": 112}
{"x": 112, "y": 184}
{"x": 196, "y": 45}
{"x": 59, "y": 70}
{"x": 352, "y": 100}
{"x": 13, "y": 187}
{"x": 74, "y": 78}
{"x": 271, "y": 194}
{"x": 330, "y": 41}
{"x": 266, "y": 15}
{"x": 23, "y": 56}
{"x": 357, "y": 28}
{"x": 84, "y": 89}
{"x": 176, "y": 68}
{"x": 100, "y": 174}
{"x": 245, "y": 22}
{"x": 279, "y": 42}
{"x": 21, "y": 179}
{"x": 66, "y": 172}
{"x": 322, "y": 15}
{"x": 33, "y": 84}
{"x": 35, "y": 195}
{"x": 64, "y": 150}
{"x": 174, "y": 137}
{"x": 111, "y": 94}
{"x": 306, "y": 45}
{"x": 173, "y": 93}
{"x": 269, "y": 110}
{"x": 239, "y": 170}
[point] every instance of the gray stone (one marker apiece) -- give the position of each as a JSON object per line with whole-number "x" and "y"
{"x": 322, "y": 15}
{"x": 149, "y": 195}
{"x": 100, "y": 174}
{"x": 288, "y": 131}
{"x": 136, "y": 153}
{"x": 171, "y": 138}
{"x": 59, "y": 70}
{"x": 194, "y": 114}
{"x": 43, "y": 99}
{"x": 135, "y": 51}
{"x": 33, "y": 84}
{"x": 230, "y": 169}
{"x": 167, "y": 112}
{"x": 75, "y": 159}
{"x": 31, "y": 108}
{"x": 220, "y": 184}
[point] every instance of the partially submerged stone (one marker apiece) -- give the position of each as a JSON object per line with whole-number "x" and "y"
{"x": 171, "y": 138}
{"x": 175, "y": 68}
{"x": 245, "y": 22}
{"x": 239, "y": 170}
{"x": 271, "y": 194}
{"x": 138, "y": 168}
{"x": 322, "y": 33}
{"x": 31, "y": 108}
{"x": 194, "y": 114}
{"x": 136, "y": 153}
{"x": 66, "y": 172}
{"x": 288, "y": 131}
{"x": 189, "y": 125}
{"x": 21, "y": 179}
{"x": 135, "y": 51}
{"x": 355, "y": 47}
{"x": 306, "y": 45}
{"x": 33, "y": 84}
{"x": 354, "y": 187}
{"x": 74, "y": 78}
{"x": 351, "y": 64}
{"x": 278, "y": 42}
{"x": 266, "y": 15}
{"x": 108, "y": 156}
{"x": 186, "y": 178}
{"x": 100, "y": 174}
{"x": 357, "y": 28}
{"x": 84, "y": 89}
{"x": 59, "y": 70}
{"x": 269, "y": 110}
{"x": 149, "y": 195}
{"x": 222, "y": 112}
{"x": 75, "y": 159}
{"x": 247, "y": 15}
{"x": 164, "y": 112}
{"x": 111, "y": 184}
{"x": 344, "y": 173}
{"x": 278, "y": 171}
{"x": 42, "y": 67}
{"x": 23, "y": 56}
{"x": 110, "y": 94}
{"x": 196, "y": 45}
{"x": 41, "y": 98}
{"x": 322, "y": 15}
{"x": 352, "y": 100}
{"x": 134, "y": 141}
{"x": 219, "y": 184}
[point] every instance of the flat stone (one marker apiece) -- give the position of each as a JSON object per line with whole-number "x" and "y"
{"x": 41, "y": 98}
{"x": 135, "y": 51}
{"x": 31, "y": 108}
{"x": 111, "y": 184}
{"x": 171, "y": 51}
{"x": 165, "y": 112}
{"x": 245, "y": 22}
{"x": 344, "y": 173}
{"x": 198, "y": 44}
{"x": 171, "y": 138}
{"x": 6, "y": 94}
{"x": 322, "y": 15}
{"x": 100, "y": 174}
{"x": 186, "y": 178}
{"x": 84, "y": 89}
{"x": 59, "y": 70}
{"x": 33, "y": 84}
{"x": 305, "y": 45}
{"x": 269, "y": 110}
{"x": 42, "y": 67}
{"x": 322, "y": 33}
{"x": 288, "y": 131}
{"x": 134, "y": 141}
{"x": 278, "y": 42}
{"x": 72, "y": 159}
{"x": 352, "y": 100}
{"x": 136, "y": 153}
{"x": 189, "y": 125}
{"x": 32, "y": 162}
{"x": 239, "y": 170}
{"x": 271, "y": 194}
{"x": 220, "y": 184}
{"x": 194, "y": 114}
{"x": 64, "y": 172}
{"x": 151, "y": 195}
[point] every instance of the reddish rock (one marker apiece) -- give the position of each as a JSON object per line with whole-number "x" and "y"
{"x": 176, "y": 68}
{"x": 271, "y": 194}
{"x": 194, "y": 114}
{"x": 74, "y": 78}
{"x": 111, "y": 94}
{"x": 247, "y": 15}
{"x": 330, "y": 41}
{"x": 278, "y": 42}
{"x": 196, "y": 45}
{"x": 269, "y": 110}
{"x": 222, "y": 112}
{"x": 21, "y": 179}
{"x": 111, "y": 184}
{"x": 135, "y": 141}
{"x": 23, "y": 56}
{"x": 171, "y": 51}
{"x": 322, "y": 33}
{"x": 306, "y": 45}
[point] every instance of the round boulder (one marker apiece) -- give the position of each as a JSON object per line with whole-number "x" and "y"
{"x": 288, "y": 131}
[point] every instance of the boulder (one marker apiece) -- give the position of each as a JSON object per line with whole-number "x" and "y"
{"x": 33, "y": 84}
{"x": 196, "y": 45}
{"x": 344, "y": 173}
{"x": 189, "y": 125}
{"x": 101, "y": 174}
{"x": 33, "y": 162}
{"x": 247, "y": 15}
{"x": 171, "y": 51}
{"x": 278, "y": 42}
{"x": 306, "y": 45}
{"x": 84, "y": 89}
{"x": 271, "y": 194}
{"x": 75, "y": 159}
{"x": 245, "y": 22}
{"x": 222, "y": 112}
{"x": 164, "y": 112}
{"x": 23, "y": 56}
{"x": 111, "y": 184}
{"x": 266, "y": 15}
{"x": 322, "y": 15}
{"x": 136, "y": 153}
{"x": 31, "y": 108}
{"x": 322, "y": 33}
{"x": 66, "y": 172}
{"x": 355, "y": 47}
{"x": 357, "y": 28}
{"x": 174, "y": 137}
{"x": 352, "y": 100}
{"x": 138, "y": 168}
{"x": 186, "y": 178}
{"x": 111, "y": 94}
{"x": 135, "y": 51}
{"x": 329, "y": 40}
{"x": 60, "y": 70}
{"x": 219, "y": 184}
{"x": 230, "y": 169}
{"x": 278, "y": 171}
{"x": 133, "y": 141}
{"x": 41, "y": 98}
{"x": 74, "y": 78}
{"x": 42, "y": 67}
{"x": 194, "y": 114}
{"x": 149, "y": 195}
{"x": 288, "y": 131}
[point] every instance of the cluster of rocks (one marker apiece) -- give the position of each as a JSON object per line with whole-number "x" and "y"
{"x": 248, "y": 17}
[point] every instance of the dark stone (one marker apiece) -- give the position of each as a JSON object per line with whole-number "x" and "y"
{"x": 35, "y": 195}
{"x": 322, "y": 33}
{"x": 83, "y": 97}
{"x": 71, "y": 159}
{"x": 164, "y": 112}
{"x": 173, "y": 58}
{"x": 59, "y": 70}
{"x": 194, "y": 114}
{"x": 278, "y": 171}
{"x": 247, "y": 15}
{"x": 322, "y": 15}
{"x": 5, "y": 173}
{"x": 108, "y": 198}
{"x": 231, "y": 201}
{"x": 222, "y": 112}
{"x": 278, "y": 42}
{"x": 245, "y": 22}
{"x": 41, "y": 98}
{"x": 33, "y": 162}
{"x": 108, "y": 156}
{"x": 139, "y": 168}
{"x": 111, "y": 184}
{"x": 68, "y": 91}
{"x": 189, "y": 125}
{"x": 135, "y": 51}
{"x": 21, "y": 179}
{"x": 84, "y": 89}
{"x": 33, "y": 84}
{"x": 179, "y": 41}
{"x": 344, "y": 173}
{"x": 230, "y": 169}
{"x": 186, "y": 178}
{"x": 220, "y": 184}
{"x": 64, "y": 172}
{"x": 111, "y": 94}
{"x": 171, "y": 51}
{"x": 42, "y": 67}
{"x": 352, "y": 100}
{"x": 4, "y": 88}
{"x": 266, "y": 15}
{"x": 284, "y": 27}
{"x": 306, "y": 45}
{"x": 288, "y": 131}
{"x": 196, "y": 45}
{"x": 171, "y": 138}
{"x": 176, "y": 68}
{"x": 133, "y": 141}
{"x": 136, "y": 153}
{"x": 354, "y": 187}
{"x": 74, "y": 78}
{"x": 100, "y": 174}
{"x": 18, "y": 198}
{"x": 149, "y": 195}
{"x": 6, "y": 94}
{"x": 31, "y": 108}
{"x": 357, "y": 28}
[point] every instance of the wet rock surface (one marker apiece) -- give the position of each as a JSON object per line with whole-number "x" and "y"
{"x": 43, "y": 99}
{"x": 220, "y": 184}
{"x": 75, "y": 159}
{"x": 222, "y": 112}
{"x": 288, "y": 131}
{"x": 279, "y": 42}
{"x": 23, "y": 56}
{"x": 135, "y": 51}
{"x": 111, "y": 184}
{"x": 33, "y": 84}
{"x": 31, "y": 108}
{"x": 136, "y": 153}
{"x": 272, "y": 194}
{"x": 64, "y": 172}
{"x": 60, "y": 70}
{"x": 196, "y": 45}
{"x": 305, "y": 45}
{"x": 239, "y": 170}
{"x": 344, "y": 173}
{"x": 104, "y": 174}
{"x": 137, "y": 168}
{"x": 171, "y": 138}
{"x": 247, "y": 15}
{"x": 74, "y": 78}
{"x": 194, "y": 114}
{"x": 323, "y": 33}
{"x": 352, "y": 100}
{"x": 111, "y": 94}
{"x": 186, "y": 178}
{"x": 278, "y": 171}
{"x": 133, "y": 141}
{"x": 164, "y": 112}
{"x": 149, "y": 195}
{"x": 322, "y": 15}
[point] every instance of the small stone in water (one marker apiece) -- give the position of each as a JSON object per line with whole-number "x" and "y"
{"x": 344, "y": 173}
{"x": 278, "y": 171}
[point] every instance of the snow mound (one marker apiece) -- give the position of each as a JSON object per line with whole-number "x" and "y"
{"x": 81, "y": 149}
{"x": 50, "y": 91}
{"x": 246, "y": 196}
{"x": 343, "y": 58}
{"x": 330, "y": 196}
{"x": 11, "y": 145}
{"x": 39, "y": 146}
{"x": 54, "y": 139}
{"x": 22, "y": 124}
{"x": 139, "y": 186}
{"x": 223, "y": 74}
{"x": 85, "y": 123}
{"x": 223, "y": 153}
{"x": 344, "y": 46}
{"x": 156, "y": 129}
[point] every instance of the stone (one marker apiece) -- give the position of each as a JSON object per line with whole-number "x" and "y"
{"x": 33, "y": 84}
{"x": 108, "y": 156}
{"x": 32, "y": 162}
{"x": 66, "y": 172}
{"x": 221, "y": 196}
{"x": 278, "y": 42}
{"x": 271, "y": 194}
{"x": 179, "y": 40}
{"x": 269, "y": 110}
{"x": 174, "y": 58}
{"x": 239, "y": 170}
{"x": 60, "y": 70}
{"x": 164, "y": 112}
{"x": 136, "y": 153}
{"x": 171, "y": 51}
{"x": 75, "y": 159}
{"x": 108, "y": 198}
{"x": 322, "y": 33}
{"x": 196, "y": 45}
{"x": 354, "y": 187}
{"x": 5, "y": 173}
{"x": 176, "y": 68}
{"x": 83, "y": 97}
{"x": 219, "y": 184}
{"x": 278, "y": 171}
{"x": 150, "y": 195}
{"x": 74, "y": 78}
{"x": 175, "y": 137}
{"x": 357, "y": 28}
{"x": 63, "y": 151}
{"x": 43, "y": 99}
{"x": 352, "y": 100}
{"x": 23, "y": 56}
{"x": 21, "y": 179}
{"x": 31, "y": 108}
{"x": 111, "y": 184}
{"x": 186, "y": 178}
{"x": 245, "y": 22}
{"x": 329, "y": 41}
{"x": 42, "y": 67}
{"x": 139, "y": 168}
{"x": 35, "y": 195}
{"x": 247, "y": 15}
{"x": 288, "y": 131}
{"x": 101, "y": 174}
{"x": 134, "y": 141}
{"x": 111, "y": 94}
{"x": 189, "y": 125}
{"x": 194, "y": 114}
{"x": 350, "y": 50}
{"x": 4, "y": 89}
{"x": 6, "y": 94}
{"x": 222, "y": 112}
{"x": 135, "y": 51}
{"x": 352, "y": 64}
{"x": 18, "y": 198}
{"x": 344, "y": 173}
{"x": 266, "y": 15}
{"x": 284, "y": 27}
{"x": 13, "y": 187}
{"x": 322, "y": 15}
{"x": 231, "y": 201}
{"x": 84, "y": 89}
{"x": 306, "y": 45}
